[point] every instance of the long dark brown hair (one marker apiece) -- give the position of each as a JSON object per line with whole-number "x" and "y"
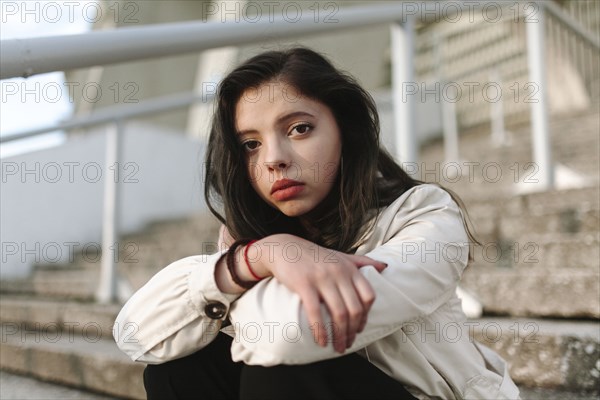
{"x": 369, "y": 178}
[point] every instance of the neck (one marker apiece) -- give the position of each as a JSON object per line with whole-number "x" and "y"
{"x": 308, "y": 226}
{"x": 312, "y": 220}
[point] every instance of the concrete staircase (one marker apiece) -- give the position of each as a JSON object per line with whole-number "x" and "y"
{"x": 540, "y": 248}
{"x": 56, "y": 333}
{"x": 539, "y": 267}
{"x": 53, "y": 330}
{"x": 541, "y": 302}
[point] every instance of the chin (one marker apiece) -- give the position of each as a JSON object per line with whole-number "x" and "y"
{"x": 293, "y": 211}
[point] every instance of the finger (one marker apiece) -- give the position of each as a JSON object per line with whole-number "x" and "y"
{"x": 312, "y": 305}
{"x": 356, "y": 310}
{"x": 339, "y": 315}
{"x": 225, "y": 238}
{"x": 366, "y": 294}
{"x": 362, "y": 261}
{"x": 363, "y": 323}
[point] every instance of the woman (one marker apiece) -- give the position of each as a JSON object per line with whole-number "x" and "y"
{"x": 336, "y": 272}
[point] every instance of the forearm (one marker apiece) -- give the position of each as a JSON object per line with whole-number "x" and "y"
{"x": 173, "y": 314}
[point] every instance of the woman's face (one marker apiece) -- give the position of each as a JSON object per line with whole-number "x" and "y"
{"x": 288, "y": 139}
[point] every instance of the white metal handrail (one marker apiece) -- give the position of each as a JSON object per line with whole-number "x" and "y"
{"x": 117, "y": 113}
{"x": 26, "y": 57}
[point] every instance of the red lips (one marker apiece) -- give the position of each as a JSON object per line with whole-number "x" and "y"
{"x": 283, "y": 184}
{"x": 286, "y": 189}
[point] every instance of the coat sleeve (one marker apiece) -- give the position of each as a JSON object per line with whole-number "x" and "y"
{"x": 177, "y": 312}
{"x": 422, "y": 239}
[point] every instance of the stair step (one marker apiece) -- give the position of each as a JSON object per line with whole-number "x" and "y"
{"x": 502, "y": 220}
{"x": 551, "y": 292}
{"x": 495, "y": 181}
{"x": 55, "y": 316}
{"x": 530, "y": 252}
{"x": 25, "y": 388}
{"x": 528, "y": 393}
{"x": 75, "y": 284}
{"x": 75, "y": 360}
{"x": 546, "y": 353}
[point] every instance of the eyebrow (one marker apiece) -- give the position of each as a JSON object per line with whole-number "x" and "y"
{"x": 280, "y": 120}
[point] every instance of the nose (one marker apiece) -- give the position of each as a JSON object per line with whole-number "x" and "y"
{"x": 276, "y": 157}
{"x": 273, "y": 165}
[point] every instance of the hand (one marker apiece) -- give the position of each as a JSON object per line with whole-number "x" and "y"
{"x": 319, "y": 274}
{"x": 225, "y": 240}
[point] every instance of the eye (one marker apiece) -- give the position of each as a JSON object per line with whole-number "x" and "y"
{"x": 302, "y": 128}
{"x": 250, "y": 145}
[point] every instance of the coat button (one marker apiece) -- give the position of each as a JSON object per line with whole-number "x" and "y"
{"x": 215, "y": 310}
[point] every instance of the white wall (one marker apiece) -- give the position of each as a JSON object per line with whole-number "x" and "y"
{"x": 61, "y": 200}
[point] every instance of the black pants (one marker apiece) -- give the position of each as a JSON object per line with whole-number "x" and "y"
{"x": 210, "y": 374}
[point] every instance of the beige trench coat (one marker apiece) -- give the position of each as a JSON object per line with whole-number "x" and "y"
{"x": 416, "y": 331}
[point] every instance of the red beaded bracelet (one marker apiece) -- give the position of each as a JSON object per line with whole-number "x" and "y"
{"x": 248, "y": 262}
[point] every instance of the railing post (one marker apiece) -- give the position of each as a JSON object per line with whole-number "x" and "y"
{"x": 403, "y": 49}
{"x": 448, "y": 107}
{"x": 537, "y": 75}
{"x": 450, "y": 124}
{"x": 107, "y": 287}
{"x": 497, "y": 115}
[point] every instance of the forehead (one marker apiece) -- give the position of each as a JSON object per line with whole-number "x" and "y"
{"x": 265, "y": 104}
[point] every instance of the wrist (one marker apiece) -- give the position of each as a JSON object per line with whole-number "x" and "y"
{"x": 235, "y": 266}
{"x": 253, "y": 260}
{"x": 241, "y": 268}
{"x": 223, "y": 279}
